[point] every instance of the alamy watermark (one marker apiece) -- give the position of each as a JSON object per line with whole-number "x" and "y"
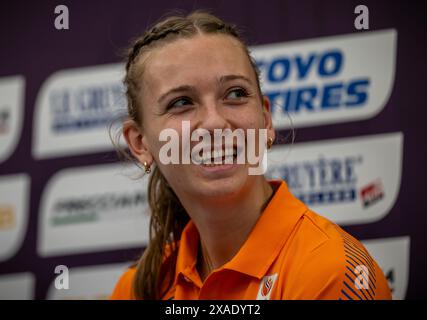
{"x": 362, "y": 20}
{"x": 225, "y": 147}
{"x": 62, "y": 280}
{"x": 62, "y": 20}
{"x": 362, "y": 277}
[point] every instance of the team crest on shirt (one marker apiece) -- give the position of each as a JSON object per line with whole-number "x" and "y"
{"x": 266, "y": 287}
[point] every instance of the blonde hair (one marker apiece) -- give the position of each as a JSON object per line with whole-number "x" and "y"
{"x": 168, "y": 216}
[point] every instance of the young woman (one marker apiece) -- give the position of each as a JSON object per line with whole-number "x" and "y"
{"x": 218, "y": 232}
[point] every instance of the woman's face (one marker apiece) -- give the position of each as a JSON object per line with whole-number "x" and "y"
{"x": 209, "y": 81}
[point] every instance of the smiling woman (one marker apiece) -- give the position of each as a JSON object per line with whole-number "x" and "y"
{"x": 217, "y": 231}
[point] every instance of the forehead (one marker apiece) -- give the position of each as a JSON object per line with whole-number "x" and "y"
{"x": 195, "y": 60}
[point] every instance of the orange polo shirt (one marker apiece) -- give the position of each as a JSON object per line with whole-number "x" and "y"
{"x": 291, "y": 253}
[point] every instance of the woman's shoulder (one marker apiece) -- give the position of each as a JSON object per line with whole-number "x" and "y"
{"x": 321, "y": 230}
{"x": 124, "y": 286}
{"x": 322, "y": 235}
{"x": 332, "y": 258}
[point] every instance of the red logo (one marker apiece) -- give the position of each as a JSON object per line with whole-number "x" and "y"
{"x": 372, "y": 193}
{"x": 268, "y": 284}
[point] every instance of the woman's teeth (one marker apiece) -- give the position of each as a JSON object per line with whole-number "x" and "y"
{"x": 217, "y": 157}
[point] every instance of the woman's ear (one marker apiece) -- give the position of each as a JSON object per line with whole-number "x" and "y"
{"x": 136, "y": 142}
{"x": 268, "y": 121}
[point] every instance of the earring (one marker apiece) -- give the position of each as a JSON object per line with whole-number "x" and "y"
{"x": 147, "y": 167}
{"x": 269, "y": 142}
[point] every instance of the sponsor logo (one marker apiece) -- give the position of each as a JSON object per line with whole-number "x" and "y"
{"x": 17, "y": 286}
{"x": 390, "y": 275}
{"x": 266, "y": 287}
{"x": 372, "y": 193}
{"x": 101, "y": 204}
{"x": 335, "y": 177}
{"x": 108, "y": 206}
{"x": 14, "y": 201}
{"x": 324, "y": 180}
{"x": 4, "y": 120}
{"x": 92, "y": 283}
{"x": 328, "y": 80}
{"x": 12, "y": 91}
{"x": 393, "y": 256}
{"x": 84, "y": 108}
{"x": 7, "y": 217}
{"x": 74, "y": 109}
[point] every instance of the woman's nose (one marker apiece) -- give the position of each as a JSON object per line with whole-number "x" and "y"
{"x": 212, "y": 116}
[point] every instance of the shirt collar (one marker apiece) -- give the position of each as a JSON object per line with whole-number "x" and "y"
{"x": 263, "y": 245}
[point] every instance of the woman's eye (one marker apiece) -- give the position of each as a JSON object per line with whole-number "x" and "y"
{"x": 237, "y": 94}
{"x": 179, "y": 103}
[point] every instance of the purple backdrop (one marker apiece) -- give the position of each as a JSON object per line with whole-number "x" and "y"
{"x": 31, "y": 46}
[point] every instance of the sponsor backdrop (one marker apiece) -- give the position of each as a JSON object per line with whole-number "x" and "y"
{"x": 354, "y": 99}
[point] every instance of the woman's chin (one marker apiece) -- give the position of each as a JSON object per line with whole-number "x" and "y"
{"x": 221, "y": 182}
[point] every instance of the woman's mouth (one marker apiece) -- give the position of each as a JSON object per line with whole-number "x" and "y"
{"x": 216, "y": 157}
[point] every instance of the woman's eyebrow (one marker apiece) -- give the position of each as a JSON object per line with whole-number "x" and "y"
{"x": 183, "y": 88}
{"x": 230, "y": 77}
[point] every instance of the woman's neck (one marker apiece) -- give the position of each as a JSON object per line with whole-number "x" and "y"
{"x": 224, "y": 225}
